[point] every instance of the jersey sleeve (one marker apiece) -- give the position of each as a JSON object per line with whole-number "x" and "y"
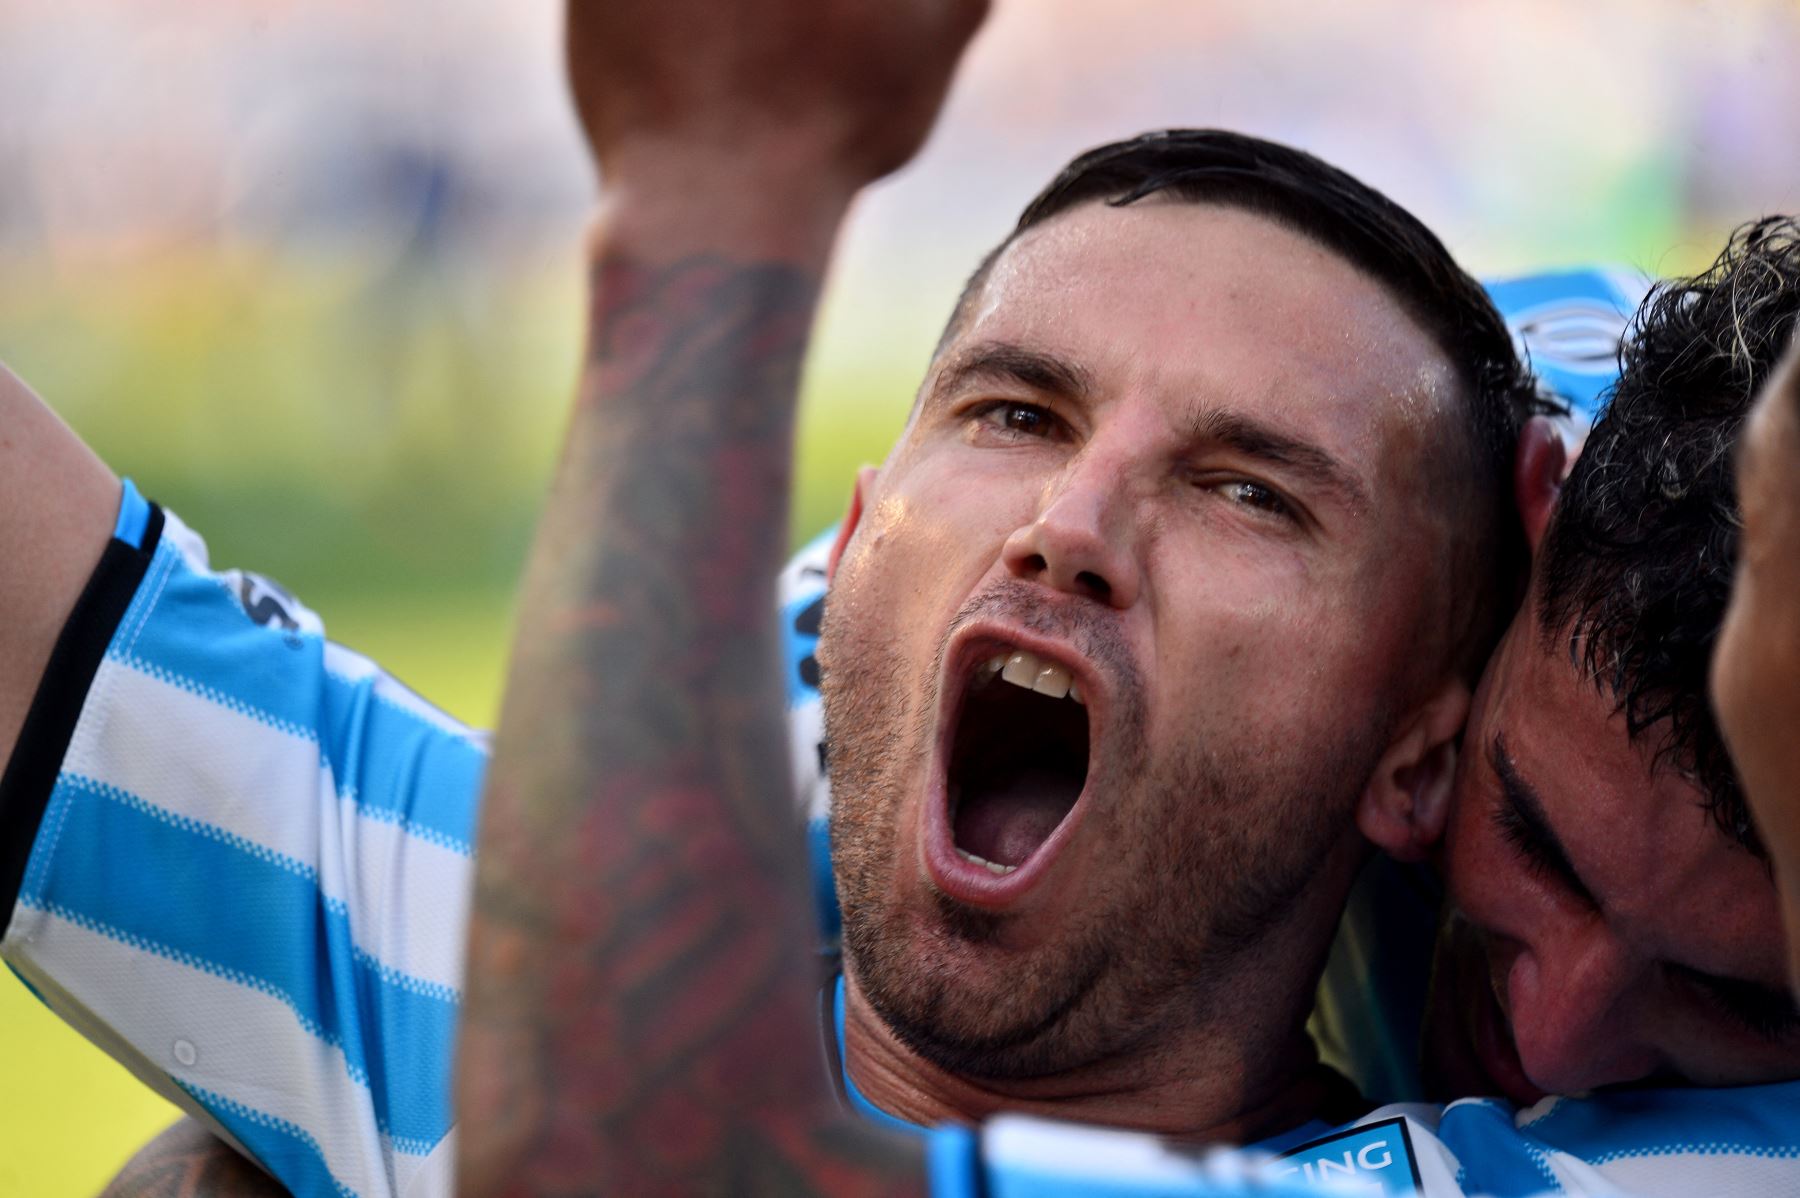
{"x": 239, "y": 858}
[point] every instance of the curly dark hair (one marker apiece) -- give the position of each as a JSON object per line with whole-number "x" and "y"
{"x": 1636, "y": 567}
{"x": 1360, "y": 224}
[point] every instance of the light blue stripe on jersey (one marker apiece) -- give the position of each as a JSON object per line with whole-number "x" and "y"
{"x": 825, "y": 904}
{"x": 1746, "y": 1120}
{"x": 393, "y": 764}
{"x": 285, "y": 1150}
{"x": 953, "y": 1162}
{"x": 249, "y": 914}
{"x": 134, "y": 516}
{"x": 1496, "y": 1160}
{"x": 397, "y": 767}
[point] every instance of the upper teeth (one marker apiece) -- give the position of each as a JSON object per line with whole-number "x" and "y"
{"x": 1025, "y": 669}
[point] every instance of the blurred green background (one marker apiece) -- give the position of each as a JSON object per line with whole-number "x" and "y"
{"x": 309, "y": 271}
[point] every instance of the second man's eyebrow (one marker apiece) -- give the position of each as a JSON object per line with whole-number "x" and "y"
{"x": 1004, "y": 362}
{"x": 1522, "y": 822}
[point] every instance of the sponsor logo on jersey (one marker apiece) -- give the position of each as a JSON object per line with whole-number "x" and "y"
{"x": 267, "y": 603}
{"x": 1374, "y": 1159}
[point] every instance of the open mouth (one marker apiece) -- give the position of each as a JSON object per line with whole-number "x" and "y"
{"x": 1018, "y": 759}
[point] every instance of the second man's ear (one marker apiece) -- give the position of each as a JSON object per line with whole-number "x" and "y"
{"x": 1407, "y": 802}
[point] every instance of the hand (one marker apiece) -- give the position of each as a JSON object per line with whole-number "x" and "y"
{"x": 844, "y": 90}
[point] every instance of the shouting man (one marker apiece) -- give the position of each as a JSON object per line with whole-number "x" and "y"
{"x": 1214, "y": 456}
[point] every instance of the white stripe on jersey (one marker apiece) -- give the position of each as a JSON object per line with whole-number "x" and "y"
{"x": 407, "y": 896}
{"x": 1744, "y": 1173}
{"x": 1076, "y": 1150}
{"x": 352, "y": 666}
{"x": 435, "y": 1175}
{"x": 244, "y": 1044}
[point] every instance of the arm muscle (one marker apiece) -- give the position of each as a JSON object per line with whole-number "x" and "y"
{"x": 57, "y": 504}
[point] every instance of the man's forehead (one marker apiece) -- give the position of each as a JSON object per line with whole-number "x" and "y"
{"x": 1555, "y": 716}
{"x": 1206, "y": 301}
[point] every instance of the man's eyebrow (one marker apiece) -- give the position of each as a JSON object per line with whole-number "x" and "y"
{"x": 1004, "y": 362}
{"x": 1254, "y": 439}
{"x": 1521, "y": 820}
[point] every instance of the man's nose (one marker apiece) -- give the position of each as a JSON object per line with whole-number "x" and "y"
{"x": 1574, "y": 1020}
{"x": 1082, "y": 540}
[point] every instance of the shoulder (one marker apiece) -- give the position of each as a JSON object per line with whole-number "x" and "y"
{"x": 1744, "y": 1140}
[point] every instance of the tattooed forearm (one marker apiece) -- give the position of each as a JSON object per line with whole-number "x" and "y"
{"x": 187, "y": 1161}
{"x": 640, "y": 1014}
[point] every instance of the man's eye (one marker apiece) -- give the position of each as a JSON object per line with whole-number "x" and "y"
{"x": 1769, "y": 1013}
{"x": 1019, "y": 419}
{"x": 1255, "y": 495}
{"x": 1772, "y": 1023}
{"x": 1528, "y": 844}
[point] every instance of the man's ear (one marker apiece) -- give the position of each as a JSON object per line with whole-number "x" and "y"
{"x": 865, "y": 483}
{"x": 1407, "y": 801}
{"x": 1537, "y": 475}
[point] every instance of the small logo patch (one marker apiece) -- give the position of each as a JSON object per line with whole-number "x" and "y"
{"x": 267, "y": 602}
{"x": 1373, "y": 1159}
{"x": 1575, "y": 334}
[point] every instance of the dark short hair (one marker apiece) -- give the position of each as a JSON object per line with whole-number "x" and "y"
{"x": 1637, "y": 562}
{"x": 1385, "y": 241}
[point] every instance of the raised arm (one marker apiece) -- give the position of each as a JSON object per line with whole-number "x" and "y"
{"x": 641, "y": 1014}
{"x": 57, "y": 505}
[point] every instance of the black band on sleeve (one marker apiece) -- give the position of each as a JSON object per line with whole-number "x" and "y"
{"x": 31, "y": 774}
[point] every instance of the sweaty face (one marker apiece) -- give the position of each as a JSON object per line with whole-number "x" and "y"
{"x": 1127, "y": 620}
{"x": 1756, "y": 670}
{"x": 1606, "y": 930}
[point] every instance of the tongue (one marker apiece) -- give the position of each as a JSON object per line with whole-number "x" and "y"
{"x": 1006, "y": 820}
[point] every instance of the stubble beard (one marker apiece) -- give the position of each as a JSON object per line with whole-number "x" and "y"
{"x": 1222, "y": 847}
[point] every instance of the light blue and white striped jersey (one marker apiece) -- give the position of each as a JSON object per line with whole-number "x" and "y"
{"x": 238, "y": 857}
{"x": 248, "y": 868}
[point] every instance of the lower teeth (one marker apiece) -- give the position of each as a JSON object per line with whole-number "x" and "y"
{"x": 992, "y": 866}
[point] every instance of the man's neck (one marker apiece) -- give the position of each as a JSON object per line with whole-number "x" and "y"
{"x": 1210, "y": 1088}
